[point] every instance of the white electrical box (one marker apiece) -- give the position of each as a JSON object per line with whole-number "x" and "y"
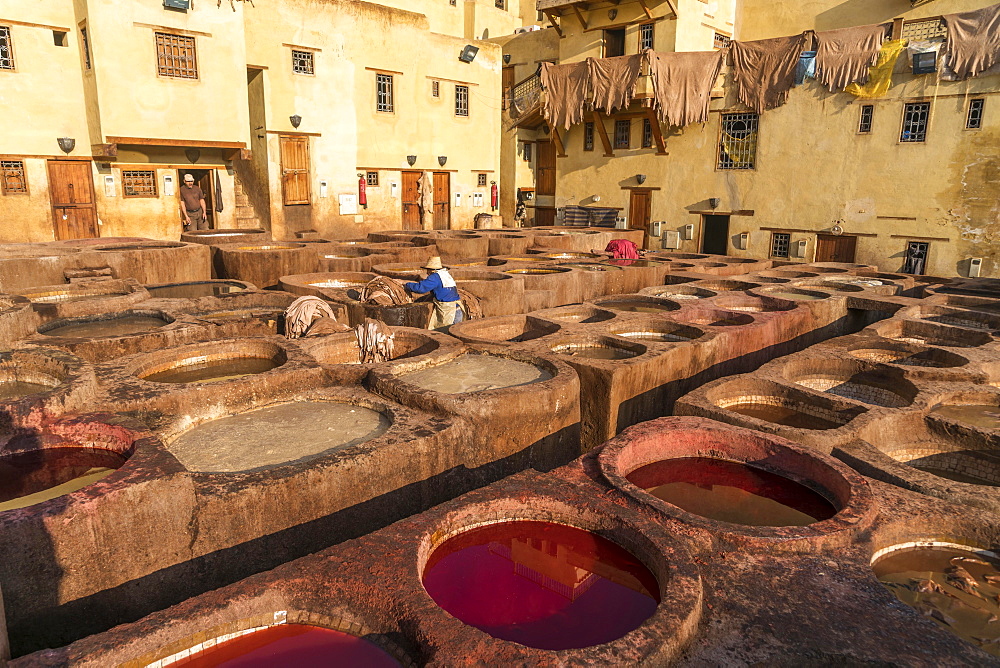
{"x": 744, "y": 239}
{"x": 109, "y": 185}
{"x": 621, "y": 223}
{"x": 322, "y": 188}
{"x": 168, "y": 184}
{"x": 394, "y": 189}
{"x": 800, "y": 247}
{"x": 671, "y": 239}
{"x": 975, "y": 266}
{"x": 689, "y": 232}
{"x": 458, "y": 199}
{"x": 654, "y": 228}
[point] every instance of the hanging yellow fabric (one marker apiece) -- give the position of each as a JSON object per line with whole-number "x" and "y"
{"x": 879, "y": 74}
{"x": 740, "y": 150}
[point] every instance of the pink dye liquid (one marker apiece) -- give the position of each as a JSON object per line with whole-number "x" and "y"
{"x": 292, "y": 645}
{"x": 543, "y": 585}
{"x": 732, "y": 492}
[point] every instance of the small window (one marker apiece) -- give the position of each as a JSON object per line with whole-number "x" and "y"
{"x": 6, "y": 49}
{"x": 738, "y": 141}
{"x": 915, "y": 117}
{"x": 780, "y": 241}
{"x": 303, "y": 62}
{"x": 14, "y": 181}
{"x": 646, "y": 36}
{"x": 139, "y": 183}
{"x": 461, "y": 100}
{"x": 435, "y": 89}
{"x": 865, "y": 124}
{"x": 500, "y": 4}
{"x": 916, "y": 257}
{"x": 481, "y": 180}
{"x": 974, "y": 121}
{"x": 527, "y": 151}
{"x": 175, "y": 56}
{"x": 383, "y": 93}
{"x": 371, "y": 179}
{"x": 588, "y": 136}
{"x": 59, "y": 38}
{"x": 720, "y": 41}
{"x": 623, "y": 134}
{"x": 647, "y": 133}
{"x": 614, "y": 42}
{"x": 85, "y": 45}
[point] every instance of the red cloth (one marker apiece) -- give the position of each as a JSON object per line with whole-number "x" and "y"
{"x": 622, "y": 249}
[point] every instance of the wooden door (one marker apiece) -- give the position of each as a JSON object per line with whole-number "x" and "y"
{"x": 545, "y": 169}
{"x": 715, "y": 237}
{"x": 411, "y": 201}
{"x": 545, "y": 216}
{"x": 294, "y": 170}
{"x": 442, "y": 201}
{"x": 831, "y": 248}
{"x": 508, "y": 85}
{"x": 71, "y": 190}
{"x": 640, "y": 204}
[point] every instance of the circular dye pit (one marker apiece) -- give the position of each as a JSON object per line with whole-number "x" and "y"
{"x": 70, "y": 296}
{"x": 797, "y": 295}
{"x": 476, "y": 373}
{"x": 32, "y": 477}
{"x": 911, "y": 356}
{"x": 729, "y": 491}
{"x": 956, "y": 588}
{"x": 291, "y": 645}
{"x": 942, "y": 459}
{"x": 676, "y": 335}
{"x": 596, "y": 351}
{"x": 540, "y": 584}
{"x": 276, "y": 435}
{"x": 791, "y": 414}
{"x": 534, "y": 271}
{"x": 124, "y": 325}
{"x": 639, "y": 305}
{"x": 202, "y": 370}
{"x": 194, "y": 290}
{"x": 982, "y": 416}
{"x": 590, "y": 266}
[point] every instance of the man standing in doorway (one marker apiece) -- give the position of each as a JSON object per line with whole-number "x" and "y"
{"x": 193, "y": 202}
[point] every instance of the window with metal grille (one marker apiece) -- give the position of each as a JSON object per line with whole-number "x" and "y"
{"x": 646, "y": 36}
{"x": 929, "y": 30}
{"x": 85, "y": 44}
{"x": 303, "y": 62}
{"x": 6, "y": 49}
{"x": 435, "y": 89}
{"x": 383, "y": 93}
{"x": 647, "y": 133}
{"x": 526, "y": 153}
{"x": 865, "y": 123}
{"x": 481, "y": 180}
{"x": 14, "y": 181}
{"x": 738, "y": 141}
{"x": 915, "y": 115}
{"x": 916, "y": 257}
{"x": 623, "y": 134}
{"x": 461, "y": 100}
{"x": 175, "y": 56}
{"x": 974, "y": 121}
{"x": 139, "y": 183}
{"x": 780, "y": 241}
{"x": 371, "y": 179}
{"x": 588, "y": 136}
{"x": 720, "y": 41}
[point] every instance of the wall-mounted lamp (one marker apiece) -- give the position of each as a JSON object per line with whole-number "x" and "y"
{"x": 411, "y": 160}
{"x": 67, "y": 144}
{"x": 506, "y": 59}
{"x": 714, "y": 202}
{"x": 595, "y": 198}
{"x": 837, "y": 228}
{"x": 192, "y": 155}
{"x": 640, "y": 178}
{"x": 612, "y": 14}
{"x": 442, "y": 159}
{"x": 468, "y": 53}
{"x": 296, "y": 120}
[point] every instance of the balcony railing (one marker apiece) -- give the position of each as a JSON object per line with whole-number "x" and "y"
{"x": 524, "y": 98}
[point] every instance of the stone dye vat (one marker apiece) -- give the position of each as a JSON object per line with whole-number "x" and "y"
{"x": 35, "y": 476}
{"x": 638, "y": 304}
{"x": 509, "y": 329}
{"x": 197, "y": 289}
{"x": 869, "y": 384}
{"x": 214, "y": 362}
{"x": 113, "y": 325}
{"x": 542, "y": 585}
{"x": 782, "y": 406}
{"x": 604, "y": 348}
{"x": 476, "y": 373}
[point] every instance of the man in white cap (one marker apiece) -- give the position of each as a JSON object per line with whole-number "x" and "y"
{"x": 193, "y": 203}
{"x": 446, "y": 299}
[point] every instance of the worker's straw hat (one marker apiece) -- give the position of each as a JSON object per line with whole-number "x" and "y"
{"x": 434, "y": 263}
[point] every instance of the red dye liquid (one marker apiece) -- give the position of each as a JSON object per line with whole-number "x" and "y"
{"x": 732, "y": 492}
{"x": 543, "y": 585}
{"x": 292, "y": 645}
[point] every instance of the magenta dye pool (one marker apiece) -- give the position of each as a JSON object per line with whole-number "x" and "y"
{"x": 540, "y": 584}
{"x": 292, "y": 645}
{"x": 732, "y": 492}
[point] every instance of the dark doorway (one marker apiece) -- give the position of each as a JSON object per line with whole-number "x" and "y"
{"x": 614, "y": 42}
{"x": 831, "y": 248}
{"x": 205, "y": 179}
{"x": 715, "y": 237}
{"x": 545, "y": 169}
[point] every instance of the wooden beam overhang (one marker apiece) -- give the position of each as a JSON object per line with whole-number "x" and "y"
{"x": 654, "y": 122}
{"x": 560, "y": 147}
{"x": 603, "y": 133}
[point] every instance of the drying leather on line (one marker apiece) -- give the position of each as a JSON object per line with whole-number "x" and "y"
{"x": 299, "y": 316}
{"x": 375, "y": 341}
{"x": 973, "y": 45}
{"x": 764, "y": 70}
{"x": 683, "y": 83}
{"x": 880, "y": 75}
{"x": 613, "y": 81}
{"x": 425, "y": 197}
{"x": 844, "y": 56}
{"x": 566, "y": 88}
{"x": 385, "y": 291}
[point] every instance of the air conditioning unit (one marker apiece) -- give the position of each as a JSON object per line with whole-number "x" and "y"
{"x": 671, "y": 239}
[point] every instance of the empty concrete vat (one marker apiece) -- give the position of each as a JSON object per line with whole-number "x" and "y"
{"x": 922, "y": 332}
{"x": 220, "y": 237}
{"x": 852, "y": 379}
{"x": 263, "y": 265}
{"x": 560, "y": 282}
{"x": 498, "y": 293}
{"x": 453, "y": 248}
{"x": 906, "y": 354}
{"x": 678, "y": 292}
{"x": 637, "y": 304}
{"x": 583, "y": 314}
{"x": 504, "y": 330}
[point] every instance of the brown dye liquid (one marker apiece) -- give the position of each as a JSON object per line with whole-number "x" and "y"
{"x": 782, "y": 415}
{"x": 985, "y": 417}
{"x": 14, "y": 389}
{"x": 193, "y": 290}
{"x": 134, "y": 324}
{"x": 597, "y": 352}
{"x": 962, "y": 601}
{"x": 213, "y": 370}
{"x": 33, "y": 477}
{"x": 276, "y": 435}
{"x": 476, "y": 373}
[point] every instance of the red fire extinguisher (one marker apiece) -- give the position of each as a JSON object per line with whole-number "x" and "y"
{"x": 494, "y": 195}
{"x": 362, "y": 191}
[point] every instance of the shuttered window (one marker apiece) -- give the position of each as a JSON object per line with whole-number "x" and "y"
{"x": 295, "y": 170}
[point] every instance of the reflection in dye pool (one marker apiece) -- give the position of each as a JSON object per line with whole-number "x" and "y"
{"x": 985, "y": 417}
{"x": 783, "y": 415}
{"x": 276, "y": 434}
{"x": 475, "y": 373}
{"x": 194, "y": 290}
{"x": 32, "y": 477}
{"x": 596, "y": 352}
{"x": 213, "y": 370}
{"x": 543, "y": 585}
{"x": 14, "y": 389}
{"x": 291, "y": 645}
{"x": 955, "y": 588}
{"x": 124, "y": 326}
{"x": 732, "y": 492}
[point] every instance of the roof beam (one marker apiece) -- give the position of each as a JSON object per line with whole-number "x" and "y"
{"x": 603, "y": 132}
{"x": 654, "y": 122}
{"x": 555, "y": 25}
{"x": 579, "y": 15}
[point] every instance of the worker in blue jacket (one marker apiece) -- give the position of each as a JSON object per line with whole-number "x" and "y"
{"x": 447, "y": 303}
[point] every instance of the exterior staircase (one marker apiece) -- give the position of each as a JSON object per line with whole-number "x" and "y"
{"x": 246, "y": 214}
